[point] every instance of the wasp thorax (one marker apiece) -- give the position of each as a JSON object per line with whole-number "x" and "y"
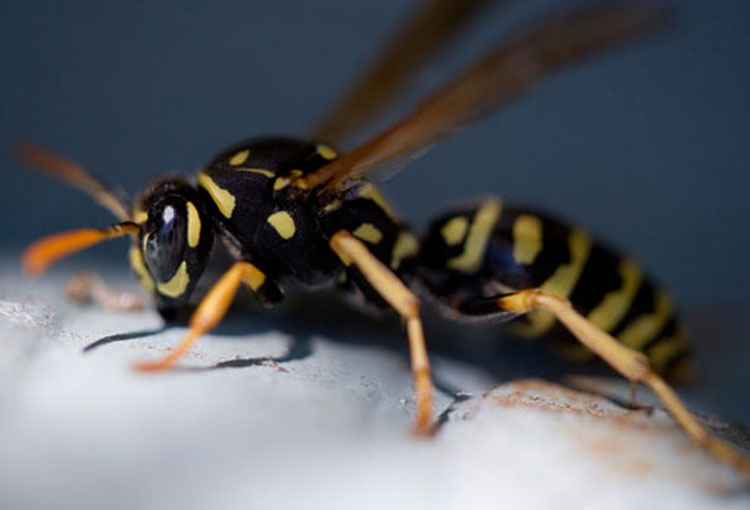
{"x": 165, "y": 237}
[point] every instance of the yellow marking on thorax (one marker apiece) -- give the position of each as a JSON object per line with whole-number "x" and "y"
{"x": 283, "y": 223}
{"x": 136, "y": 262}
{"x": 368, "y": 232}
{"x": 454, "y": 230}
{"x": 326, "y": 151}
{"x": 239, "y": 158}
{"x": 407, "y": 245}
{"x": 176, "y": 286}
{"x": 479, "y": 234}
{"x": 282, "y": 182}
{"x": 527, "y": 239}
{"x": 223, "y": 199}
{"x": 259, "y": 171}
{"x": 562, "y": 282}
{"x": 140, "y": 216}
{"x": 667, "y": 348}
{"x": 610, "y": 311}
{"x": 644, "y": 328}
{"x": 194, "y": 225}
{"x": 332, "y": 205}
{"x": 370, "y": 192}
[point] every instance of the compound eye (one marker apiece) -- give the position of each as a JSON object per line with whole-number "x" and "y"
{"x": 164, "y": 241}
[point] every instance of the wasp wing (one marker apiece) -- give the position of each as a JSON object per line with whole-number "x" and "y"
{"x": 508, "y": 70}
{"x": 429, "y": 30}
{"x": 60, "y": 167}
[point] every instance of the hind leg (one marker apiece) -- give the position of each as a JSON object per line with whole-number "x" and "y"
{"x": 633, "y": 365}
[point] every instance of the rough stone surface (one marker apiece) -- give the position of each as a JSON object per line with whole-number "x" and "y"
{"x": 325, "y": 425}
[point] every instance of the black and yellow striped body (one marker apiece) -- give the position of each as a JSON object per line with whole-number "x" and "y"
{"x": 475, "y": 253}
{"x": 249, "y": 197}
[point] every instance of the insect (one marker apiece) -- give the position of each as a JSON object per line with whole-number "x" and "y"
{"x": 295, "y": 213}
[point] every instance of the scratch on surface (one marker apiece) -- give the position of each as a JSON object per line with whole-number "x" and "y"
{"x": 25, "y": 314}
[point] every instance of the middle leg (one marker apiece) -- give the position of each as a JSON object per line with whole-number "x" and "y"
{"x": 352, "y": 251}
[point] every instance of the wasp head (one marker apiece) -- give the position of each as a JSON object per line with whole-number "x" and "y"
{"x": 175, "y": 239}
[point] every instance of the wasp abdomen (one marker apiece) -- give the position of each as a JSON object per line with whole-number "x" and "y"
{"x": 487, "y": 249}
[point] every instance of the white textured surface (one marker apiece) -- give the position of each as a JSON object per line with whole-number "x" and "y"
{"x": 328, "y": 430}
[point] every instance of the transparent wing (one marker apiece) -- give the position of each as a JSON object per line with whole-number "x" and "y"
{"x": 430, "y": 29}
{"x": 509, "y": 69}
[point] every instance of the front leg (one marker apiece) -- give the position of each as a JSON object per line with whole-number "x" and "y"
{"x": 352, "y": 251}
{"x": 211, "y": 310}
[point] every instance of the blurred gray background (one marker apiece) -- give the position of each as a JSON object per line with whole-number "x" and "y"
{"x": 648, "y": 147}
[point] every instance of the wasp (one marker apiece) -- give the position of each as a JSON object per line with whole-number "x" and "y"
{"x": 298, "y": 214}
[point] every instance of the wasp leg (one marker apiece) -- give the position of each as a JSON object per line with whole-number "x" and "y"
{"x": 391, "y": 289}
{"x": 90, "y": 287}
{"x": 630, "y": 363}
{"x": 211, "y": 310}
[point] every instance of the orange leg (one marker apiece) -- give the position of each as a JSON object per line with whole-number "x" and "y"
{"x": 352, "y": 251}
{"x": 630, "y": 363}
{"x": 210, "y": 311}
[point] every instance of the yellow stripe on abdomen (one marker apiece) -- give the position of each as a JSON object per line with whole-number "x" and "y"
{"x": 616, "y": 304}
{"x": 527, "y": 238}
{"x": 644, "y": 328}
{"x": 480, "y": 230}
{"x": 561, "y": 283}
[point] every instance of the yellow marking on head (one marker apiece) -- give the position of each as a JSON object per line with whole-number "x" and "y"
{"x": 140, "y": 216}
{"x": 562, "y": 282}
{"x": 644, "y": 328}
{"x": 239, "y": 158}
{"x": 283, "y": 223}
{"x": 610, "y": 311}
{"x": 666, "y": 349}
{"x": 194, "y": 225}
{"x": 454, "y": 231}
{"x": 527, "y": 239}
{"x": 259, "y": 171}
{"x": 368, "y": 232}
{"x": 144, "y": 277}
{"x": 407, "y": 245}
{"x": 176, "y": 286}
{"x": 282, "y": 182}
{"x": 479, "y": 234}
{"x": 370, "y": 192}
{"x": 223, "y": 199}
{"x": 326, "y": 151}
